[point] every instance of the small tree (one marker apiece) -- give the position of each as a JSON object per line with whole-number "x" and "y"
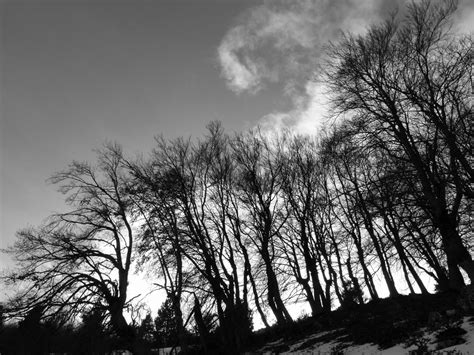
{"x": 166, "y": 332}
{"x": 32, "y": 332}
{"x": 91, "y": 334}
{"x": 146, "y": 329}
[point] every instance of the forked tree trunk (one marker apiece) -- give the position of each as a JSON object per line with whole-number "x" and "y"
{"x": 456, "y": 252}
{"x": 120, "y": 326}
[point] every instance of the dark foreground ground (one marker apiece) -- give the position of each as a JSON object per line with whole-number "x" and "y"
{"x": 384, "y": 323}
{"x": 405, "y": 324}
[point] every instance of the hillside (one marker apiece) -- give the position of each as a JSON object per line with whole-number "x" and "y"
{"x": 391, "y": 326}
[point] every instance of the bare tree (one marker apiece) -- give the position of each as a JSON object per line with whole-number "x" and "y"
{"x": 398, "y": 83}
{"x": 81, "y": 259}
{"x": 259, "y": 184}
{"x": 310, "y": 243}
{"x": 159, "y": 243}
{"x": 189, "y": 203}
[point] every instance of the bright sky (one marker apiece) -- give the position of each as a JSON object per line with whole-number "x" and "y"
{"x": 74, "y": 73}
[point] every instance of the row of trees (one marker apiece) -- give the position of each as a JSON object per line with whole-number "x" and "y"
{"x": 240, "y": 226}
{"x": 33, "y": 335}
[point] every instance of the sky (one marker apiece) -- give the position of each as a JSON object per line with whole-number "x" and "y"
{"x": 77, "y": 73}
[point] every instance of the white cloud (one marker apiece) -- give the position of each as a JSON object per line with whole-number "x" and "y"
{"x": 307, "y": 117}
{"x": 241, "y": 73}
{"x": 283, "y": 42}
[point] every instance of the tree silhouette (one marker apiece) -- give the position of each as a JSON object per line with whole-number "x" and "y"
{"x": 82, "y": 258}
{"x": 166, "y": 330}
{"x": 405, "y": 86}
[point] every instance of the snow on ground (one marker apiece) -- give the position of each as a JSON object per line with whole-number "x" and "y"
{"x": 325, "y": 347}
{"x": 468, "y": 346}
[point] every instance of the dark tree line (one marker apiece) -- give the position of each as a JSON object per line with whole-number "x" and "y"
{"x": 239, "y": 227}
{"x": 90, "y": 335}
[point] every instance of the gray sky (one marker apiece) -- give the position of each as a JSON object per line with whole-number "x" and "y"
{"x": 76, "y": 73}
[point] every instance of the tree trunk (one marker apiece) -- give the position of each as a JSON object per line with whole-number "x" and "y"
{"x": 248, "y": 270}
{"x": 456, "y": 253}
{"x": 274, "y": 297}
{"x": 120, "y": 325}
{"x": 203, "y": 331}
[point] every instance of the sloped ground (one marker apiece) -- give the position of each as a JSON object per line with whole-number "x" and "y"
{"x": 319, "y": 344}
{"x": 406, "y": 324}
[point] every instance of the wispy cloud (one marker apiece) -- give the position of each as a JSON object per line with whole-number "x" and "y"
{"x": 279, "y": 40}
{"x": 283, "y": 42}
{"x": 306, "y": 116}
